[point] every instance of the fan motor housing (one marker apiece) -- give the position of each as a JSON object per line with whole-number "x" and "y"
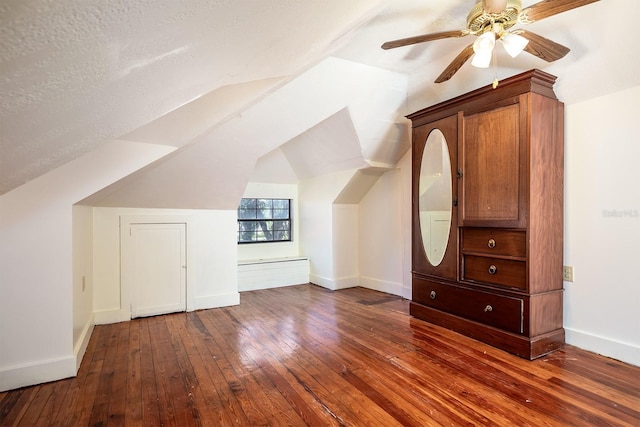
{"x": 478, "y": 20}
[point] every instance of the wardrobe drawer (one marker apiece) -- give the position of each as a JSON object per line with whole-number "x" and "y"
{"x": 499, "y": 311}
{"x": 495, "y": 271}
{"x": 494, "y": 242}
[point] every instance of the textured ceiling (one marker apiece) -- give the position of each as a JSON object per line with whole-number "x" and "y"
{"x": 227, "y": 82}
{"x": 77, "y": 73}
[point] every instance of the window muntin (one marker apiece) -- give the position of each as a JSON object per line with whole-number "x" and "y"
{"x": 264, "y": 220}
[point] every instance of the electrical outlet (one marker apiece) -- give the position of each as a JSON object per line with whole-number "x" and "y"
{"x": 567, "y": 273}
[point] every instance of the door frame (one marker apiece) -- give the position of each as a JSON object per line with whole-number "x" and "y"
{"x": 126, "y": 277}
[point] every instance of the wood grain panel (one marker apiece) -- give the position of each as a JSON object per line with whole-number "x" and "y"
{"x": 496, "y": 271}
{"x": 547, "y": 194}
{"x": 504, "y": 312}
{"x": 490, "y": 167}
{"x": 494, "y": 241}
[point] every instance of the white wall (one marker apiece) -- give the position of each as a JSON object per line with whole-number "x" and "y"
{"x": 382, "y": 223}
{"x": 82, "y": 218}
{"x": 38, "y": 283}
{"x": 316, "y": 224}
{"x": 361, "y": 244}
{"x": 406, "y": 179}
{"x": 345, "y": 246}
{"x": 602, "y": 225}
{"x": 36, "y": 300}
{"x": 211, "y": 258}
{"x": 276, "y": 249}
{"x": 316, "y": 243}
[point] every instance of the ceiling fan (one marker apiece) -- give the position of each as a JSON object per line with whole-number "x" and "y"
{"x": 492, "y": 20}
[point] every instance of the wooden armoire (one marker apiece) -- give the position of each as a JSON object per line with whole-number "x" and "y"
{"x": 487, "y": 215}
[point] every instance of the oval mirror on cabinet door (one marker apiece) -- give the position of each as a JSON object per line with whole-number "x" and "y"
{"x": 435, "y": 197}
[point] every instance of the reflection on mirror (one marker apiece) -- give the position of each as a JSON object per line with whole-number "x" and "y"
{"x": 435, "y": 197}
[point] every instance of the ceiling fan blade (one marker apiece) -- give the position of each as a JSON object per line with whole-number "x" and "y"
{"x": 455, "y": 65}
{"x": 494, "y": 6}
{"x": 547, "y": 8}
{"x": 424, "y": 38}
{"x": 543, "y": 47}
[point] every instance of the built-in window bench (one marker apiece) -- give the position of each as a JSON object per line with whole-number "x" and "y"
{"x": 265, "y": 273}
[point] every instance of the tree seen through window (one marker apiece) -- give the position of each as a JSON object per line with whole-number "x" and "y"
{"x": 264, "y": 220}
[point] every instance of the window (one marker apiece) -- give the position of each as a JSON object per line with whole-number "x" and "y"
{"x": 264, "y": 220}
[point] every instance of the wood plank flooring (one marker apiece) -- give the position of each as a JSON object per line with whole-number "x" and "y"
{"x": 303, "y": 355}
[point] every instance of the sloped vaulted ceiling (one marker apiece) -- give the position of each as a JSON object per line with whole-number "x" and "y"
{"x": 216, "y": 79}
{"x": 77, "y": 73}
{"x": 212, "y": 171}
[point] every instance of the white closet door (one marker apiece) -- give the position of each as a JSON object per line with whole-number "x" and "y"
{"x": 157, "y": 268}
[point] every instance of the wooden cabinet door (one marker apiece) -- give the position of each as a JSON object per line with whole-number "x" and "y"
{"x": 490, "y": 159}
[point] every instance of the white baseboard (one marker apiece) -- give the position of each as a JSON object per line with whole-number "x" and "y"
{"x": 624, "y": 352}
{"x": 83, "y": 341}
{"x": 325, "y": 282}
{"x": 215, "y": 301}
{"x": 334, "y": 284}
{"x": 106, "y": 317}
{"x": 346, "y": 282}
{"x": 383, "y": 286}
{"x": 37, "y": 373}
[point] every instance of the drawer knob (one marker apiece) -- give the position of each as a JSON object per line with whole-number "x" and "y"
{"x": 432, "y": 294}
{"x": 488, "y": 308}
{"x": 491, "y": 243}
{"x": 493, "y": 269}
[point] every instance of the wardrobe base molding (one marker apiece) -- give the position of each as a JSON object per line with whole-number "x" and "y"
{"x": 525, "y": 347}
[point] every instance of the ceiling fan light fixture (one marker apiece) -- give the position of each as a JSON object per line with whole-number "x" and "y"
{"x": 483, "y": 47}
{"x": 481, "y": 59}
{"x": 514, "y": 44}
{"x": 490, "y": 20}
{"x": 485, "y": 42}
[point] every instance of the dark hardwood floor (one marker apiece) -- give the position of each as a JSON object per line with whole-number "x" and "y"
{"x": 304, "y": 355}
